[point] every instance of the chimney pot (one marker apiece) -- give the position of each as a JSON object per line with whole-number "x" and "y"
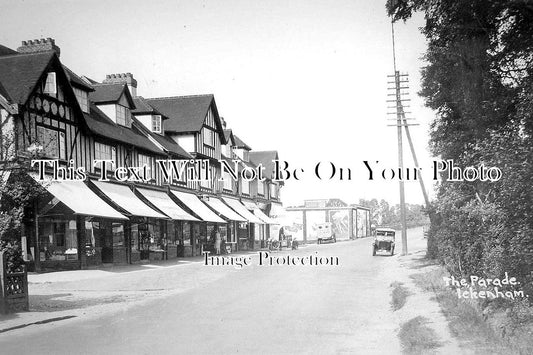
{"x": 24, "y": 43}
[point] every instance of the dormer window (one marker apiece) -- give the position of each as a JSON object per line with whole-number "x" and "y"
{"x": 123, "y": 116}
{"x": 156, "y": 123}
{"x": 83, "y": 99}
{"x": 50, "y": 85}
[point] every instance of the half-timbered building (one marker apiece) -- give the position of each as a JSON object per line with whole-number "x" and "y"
{"x": 49, "y": 112}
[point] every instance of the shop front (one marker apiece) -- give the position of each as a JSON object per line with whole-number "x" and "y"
{"x": 201, "y": 231}
{"x": 227, "y": 231}
{"x": 170, "y": 231}
{"x": 249, "y": 238}
{"x": 72, "y": 228}
{"x": 146, "y": 226}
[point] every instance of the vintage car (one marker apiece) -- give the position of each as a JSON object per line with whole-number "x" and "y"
{"x": 325, "y": 233}
{"x": 384, "y": 241}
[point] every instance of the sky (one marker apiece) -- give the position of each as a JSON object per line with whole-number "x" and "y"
{"x": 307, "y": 78}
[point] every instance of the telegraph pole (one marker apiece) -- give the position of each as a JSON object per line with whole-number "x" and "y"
{"x": 399, "y": 122}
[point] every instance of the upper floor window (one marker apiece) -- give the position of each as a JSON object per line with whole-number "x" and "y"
{"x": 149, "y": 162}
{"x": 52, "y": 141}
{"x": 245, "y": 187}
{"x": 209, "y": 137}
{"x": 156, "y": 123}
{"x": 273, "y": 191}
{"x": 105, "y": 152}
{"x": 245, "y": 155}
{"x": 261, "y": 188}
{"x": 50, "y": 85}
{"x": 228, "y": 181}
{"x": 83, "y": 99}
{"x": 123, "y": 116}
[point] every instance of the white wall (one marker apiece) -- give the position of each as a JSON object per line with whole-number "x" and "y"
{"x": 110, "y": 111}
{"x": 146, "y": 120}
{"x": 185, "y": 141}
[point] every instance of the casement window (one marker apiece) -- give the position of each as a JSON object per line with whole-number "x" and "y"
{"x": 260, "y": 188}
{"x": 228, "y": 181}
{"x": 245, "y": 155}
{"x": 50, "y": 85}
{"x": 52, "y": 141}
{"x": 104, "y": 152}
{"x": 83, "y": 99}
{"x": 209, "y": 137}
{"x": 273, "y": 191}
{"x": 156, "y": 123}
{"x": 123, "y": 116}
{"x": 245, "y": 187}
{"x": 149, "y": 162}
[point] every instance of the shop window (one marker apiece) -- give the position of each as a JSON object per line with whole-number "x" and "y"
{"x": 118, "y": 234}
{"x": 57, "y": 240}
{"x": 186, "y": 233}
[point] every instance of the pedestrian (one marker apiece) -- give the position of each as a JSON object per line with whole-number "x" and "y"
{"x": 218, "y": 241}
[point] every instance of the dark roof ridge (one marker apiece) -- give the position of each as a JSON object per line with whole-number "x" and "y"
{"x": 178, "y": 97}
{"x": 17, "y": 54}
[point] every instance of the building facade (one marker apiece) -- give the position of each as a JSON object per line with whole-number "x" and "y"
{"x": 137, "y": 201}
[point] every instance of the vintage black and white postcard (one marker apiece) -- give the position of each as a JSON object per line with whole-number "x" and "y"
{"x": 266, "y": 177}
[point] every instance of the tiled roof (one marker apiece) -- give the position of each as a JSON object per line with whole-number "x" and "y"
{"x": 107, "y": 93}
{"x": 76, "y": 80}
{"x": 166, "y": 142}
{"x": 228, "y": 134}
{"x": 266, "y": 158}
{"x": 185, "y": 113}
{"x": 6, "y": 51}
{"x": 101, "y": 125}
{"x": 240, "y": 144}
{"x": 143, "y": 107}
{"x": 19, "y": 73}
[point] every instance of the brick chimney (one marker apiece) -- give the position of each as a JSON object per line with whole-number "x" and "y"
{"x": 123, "y": 78}
{"x": 39, "y": 45}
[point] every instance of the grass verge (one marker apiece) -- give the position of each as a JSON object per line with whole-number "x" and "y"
{"x": 465, "y": 320}
{"x": 399, "y": 295}
{"x": 417, "y": 338}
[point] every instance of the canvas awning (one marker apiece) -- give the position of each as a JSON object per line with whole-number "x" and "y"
{"x": 162, "y": 201}
{"x": 126, "y": 199}
{"x": 224, "y": 210}
{"x": 78, "y": 197}
{"x": 252, "y": 206}
{"x": 240, "y": 209}
{"x": 264, "y": 217}
{"x": 197, "y": 206}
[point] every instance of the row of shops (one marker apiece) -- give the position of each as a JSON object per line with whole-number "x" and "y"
{"x": 83, "y": 224}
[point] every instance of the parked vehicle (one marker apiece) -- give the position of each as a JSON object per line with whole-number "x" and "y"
{"x": 384, "y": 241}
{"x": 325, "y": 233}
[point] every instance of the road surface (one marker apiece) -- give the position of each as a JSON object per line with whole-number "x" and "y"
{"x": 279, "y": 309}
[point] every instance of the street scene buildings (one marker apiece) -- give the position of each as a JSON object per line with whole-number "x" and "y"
{"x": 266, "y": 177}
{"x": 50, "y": 112}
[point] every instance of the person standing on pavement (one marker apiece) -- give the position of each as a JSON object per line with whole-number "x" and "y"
{"x": 218, "y": 241}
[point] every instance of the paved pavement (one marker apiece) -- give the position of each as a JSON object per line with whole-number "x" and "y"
{"x": 192, "y": 308}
